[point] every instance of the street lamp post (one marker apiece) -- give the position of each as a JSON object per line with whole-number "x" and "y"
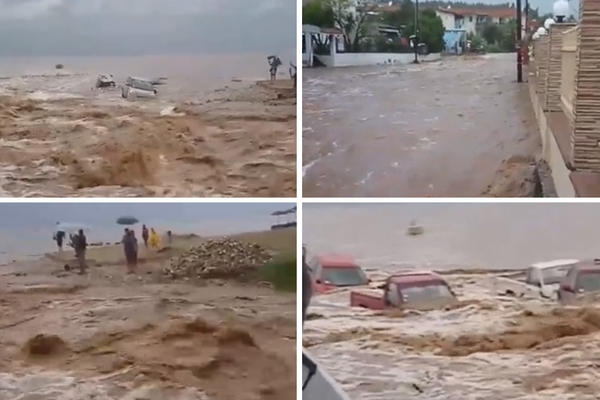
{"x": 416, "y": 35}
{"x": 519, "y": 38}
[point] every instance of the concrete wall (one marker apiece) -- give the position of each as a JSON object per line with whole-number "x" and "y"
{"x": 361, "y": 59}
{"x": 550, "y": 151}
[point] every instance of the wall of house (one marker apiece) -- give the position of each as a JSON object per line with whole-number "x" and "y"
{"x": 468, "y": 23}
{"x": 447, "y": 19}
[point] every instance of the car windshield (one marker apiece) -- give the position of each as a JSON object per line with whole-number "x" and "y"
{"x": 555, "y": 274}
{"x": 344, "y": 276}
{"x": 589, "y": 281}
{"x": 423, "y": 294}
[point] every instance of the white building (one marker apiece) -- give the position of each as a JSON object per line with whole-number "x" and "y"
{"x": 474, "y": 19}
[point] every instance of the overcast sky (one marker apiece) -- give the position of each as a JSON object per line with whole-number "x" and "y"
{"x": 545, "y": 6}
{"x": 74, "y": 27}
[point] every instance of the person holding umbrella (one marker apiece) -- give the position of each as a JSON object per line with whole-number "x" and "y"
{"x": 130, "y": 248}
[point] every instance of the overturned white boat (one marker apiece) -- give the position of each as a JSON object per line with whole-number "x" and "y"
{"x": 138, "y": 87}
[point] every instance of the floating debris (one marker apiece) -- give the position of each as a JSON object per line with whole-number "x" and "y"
{"x": 222, "y": 258}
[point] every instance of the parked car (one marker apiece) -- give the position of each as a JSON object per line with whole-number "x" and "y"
{"x": 581, "y": 280}
{"x": 334, "y": 271}
{"x": 417, "y": 290}
{"x": 548, "y": 275}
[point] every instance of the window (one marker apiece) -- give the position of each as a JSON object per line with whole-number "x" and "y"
{"x": 344, "y": 276}
{"x": 589, "y": 282}
{"x": 420, "y": 294}
{"x": 471, "y": 19}
{"x": 303, "y": 43}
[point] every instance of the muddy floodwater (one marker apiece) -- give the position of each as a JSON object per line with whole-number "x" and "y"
{"x": 60, "y": 136}
{"x": 495, "y": 342}
{"x": 459, "y": 127}
{"x": 107, "y": 335}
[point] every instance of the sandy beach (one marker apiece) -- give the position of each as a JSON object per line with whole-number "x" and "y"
{"x": 107, "y": 335}
{"x": 236, "y": 141}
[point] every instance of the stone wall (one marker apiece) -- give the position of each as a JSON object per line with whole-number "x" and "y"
{"x": 554, "y": 69}
{"x": 586, "y": 133}
{"x": 541, "y": 63}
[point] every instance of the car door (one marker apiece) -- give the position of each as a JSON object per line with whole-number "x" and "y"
{"x": 567, "y": 286}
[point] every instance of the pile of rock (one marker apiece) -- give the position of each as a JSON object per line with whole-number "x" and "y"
{"x": 223, "y": 259}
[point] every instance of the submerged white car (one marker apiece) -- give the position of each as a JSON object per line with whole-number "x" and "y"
{"x": 138, "y": 87}
{"x": 548, "y": 275}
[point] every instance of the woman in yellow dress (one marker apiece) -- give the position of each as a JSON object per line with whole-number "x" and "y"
{"x": 154, "y": 239}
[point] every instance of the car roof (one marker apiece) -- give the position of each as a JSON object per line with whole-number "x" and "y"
{"x": 337, "y": 260}
{"x": 588, "y": 265}
{"x": 554, "y": 263}
{"x": 411, "y": 277}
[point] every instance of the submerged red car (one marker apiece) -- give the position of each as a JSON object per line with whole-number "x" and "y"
{"x": 330, "y": 271}
{"x": 417, "y": 290}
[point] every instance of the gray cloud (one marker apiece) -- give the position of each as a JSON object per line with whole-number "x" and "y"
{"x": 40, "y": 27}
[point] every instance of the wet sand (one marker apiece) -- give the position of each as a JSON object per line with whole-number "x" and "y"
{"x": 460, "y": 127}
{"x": 107, "y": 335}
{"x": 238, "y": 141}
{"x": 489, "y": 345}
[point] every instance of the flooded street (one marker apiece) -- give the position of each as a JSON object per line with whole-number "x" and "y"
{"x": 459, "y": 127}
{"x": 492, "y": 343}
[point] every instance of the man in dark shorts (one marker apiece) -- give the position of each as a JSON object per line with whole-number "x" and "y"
{"x": 80, "y": 246}
{"x": 130, "y": 248}
{"x": 145, "y": 235}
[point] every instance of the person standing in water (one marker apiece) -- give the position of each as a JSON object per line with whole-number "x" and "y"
{"x": 80, "y": 246}
{"x": 130, "y": 248}
{"x": 59, "y": 237}
{"x": 154, "y": 239}
{"x": 274, "y": 63}
{"x": 170, "y": 237}
{"x": 145, "y": 235}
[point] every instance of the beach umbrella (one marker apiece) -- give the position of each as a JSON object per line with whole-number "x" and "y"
{"x": 127, "y": 220}
{"x": 71, "y": 227}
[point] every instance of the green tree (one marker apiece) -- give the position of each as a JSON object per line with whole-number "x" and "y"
{"x": 316, "y": 12}
{"x": 431, "y": 30}
{"x": 350, "y": 19}
{"x": 402, "y": 17}
{"x": 492, "y": 33}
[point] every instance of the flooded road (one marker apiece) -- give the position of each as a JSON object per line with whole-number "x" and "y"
{"x": 451, "y": 128}
{"x": 491, "y": 344}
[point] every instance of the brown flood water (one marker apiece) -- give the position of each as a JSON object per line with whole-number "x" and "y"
{"x": 236, "y": 141}
{"x": 109, "y": 336}
{"x": 459, "y": 127}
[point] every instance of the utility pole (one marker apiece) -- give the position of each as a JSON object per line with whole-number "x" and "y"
{"x": 519, "y": 39}
{"x": 416, "y": 35}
